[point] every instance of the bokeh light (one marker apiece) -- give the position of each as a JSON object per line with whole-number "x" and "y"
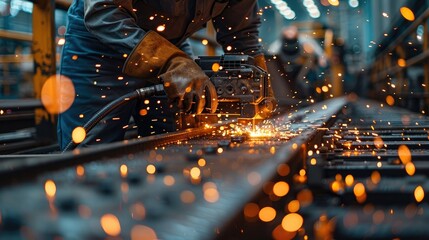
{"x": 292, "y": 222}
{"x": 50, "y": 188}
{"x": 407, "y": 13}
{"x": 78, "y": 135}
{"x": 251, "y": 210}
{"x": 142, "y": 232}
{"x": 419, "y": 193}
{"x": 404, "y": 154}
{"x": 390, "y": 100}
{"x": 123, "y": 170}
{"x": 281, "y": 188}
{"x": 267, "y": 214}
{"x": 110, "y": 224}
{"x": 57, "y": 94}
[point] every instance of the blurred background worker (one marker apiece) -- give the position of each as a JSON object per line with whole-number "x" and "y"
{"x": 113, "y": 47}
{"x": 302, "y": 60}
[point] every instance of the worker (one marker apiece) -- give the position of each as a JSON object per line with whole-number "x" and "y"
{"x": 302, "y": 59}
{"x": 113, "y": 47}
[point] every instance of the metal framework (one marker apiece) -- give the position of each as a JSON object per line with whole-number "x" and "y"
{"x": 392, "y": 64}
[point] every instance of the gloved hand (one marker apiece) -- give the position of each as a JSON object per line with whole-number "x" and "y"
{"x": 186, "y": 84}
{"x": 184, "y": 81}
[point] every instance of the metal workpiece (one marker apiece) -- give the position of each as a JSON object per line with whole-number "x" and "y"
{"x": 191, "y": 184}
{"x": 371, "y": 178}
{"x": 342, "y": 168}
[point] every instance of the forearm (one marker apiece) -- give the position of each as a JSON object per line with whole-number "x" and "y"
{"x": 113, "y": 23}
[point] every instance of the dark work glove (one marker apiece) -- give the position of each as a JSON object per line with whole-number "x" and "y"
{"x": 184, "y": 81}
{"x": 188, "y": 86}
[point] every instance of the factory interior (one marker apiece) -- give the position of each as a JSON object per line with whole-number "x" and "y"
{"x": 341, "y": 155}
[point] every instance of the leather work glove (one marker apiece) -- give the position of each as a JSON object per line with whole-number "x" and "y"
{"x": 184, "y": 82}
{"x": 269, "y": 104}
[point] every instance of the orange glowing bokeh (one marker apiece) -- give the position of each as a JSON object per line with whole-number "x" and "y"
{"x": 195, "y": 173}
{"x": 292, "y": 222}
{"x": 402, "y": 62}
{"x": 336, "y": 186}
{"x": 419, "y": 193}
{"x": 169, "y": 180}
{"x": 138, "y": 211}
{"x": 407, "y": 13}
{"x": 110, "y": 224}
{"x": 215, "y": 67}
{"x": 143, "y": 112}
{"x": 151, "y": 169}
{"x": 202, "y": 162}
{"x": 139, "y": 232}
{"x": 349, "y": 180}
{"x": 390, "y": 100}
{"x": 283, "y": 169}
{"x": 281, "y": 188}
{"x": 251, "y": 210}
{"x": 305, "y": 197}
{"x": 410, "y": 168}
{"x": 50, "y": 188}
{"x": 334, "y": 2}
{"x": 267, "y": 214}
{"x": 404, "y": 154}
{"x": 187, "y": 196}
{"x": 123, "y": 170}
{"x": 359, "y": 189}
{"x": 375, "y": 177}
{"x": 80, "y": 170}
{"x": 211, "y": 195}
{"x": 280, "y": 234}
{"x": 78, "y": 134}
{"x": 378, "y": 142}
{"x": 293, "y": 206}
{"x": 57, "y": 94}
{"x": 325, "y": 89}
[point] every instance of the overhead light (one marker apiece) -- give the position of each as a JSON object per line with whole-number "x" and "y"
{"x": 311, "y": 8}
{"x": 315, "y": 14}
{"x": 354, "y": 3}
{"x": 284, "y": 9}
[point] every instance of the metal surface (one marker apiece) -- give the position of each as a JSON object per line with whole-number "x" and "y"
{"x": 370, "y": 179}
{"x": 185, "y": 198}
{"x": 339, "y": 171}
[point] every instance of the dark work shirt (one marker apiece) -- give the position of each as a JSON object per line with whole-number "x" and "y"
{"x": 121, "y": 24}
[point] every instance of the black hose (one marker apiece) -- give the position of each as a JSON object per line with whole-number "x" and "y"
{"x": 98, "y": 116}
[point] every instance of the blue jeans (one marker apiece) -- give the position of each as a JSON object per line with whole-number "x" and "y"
{"x": 97, "y": 78}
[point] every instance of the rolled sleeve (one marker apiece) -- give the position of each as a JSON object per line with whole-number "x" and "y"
{"x": 113, "y": 22}
{"x": 237, "y": 27}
